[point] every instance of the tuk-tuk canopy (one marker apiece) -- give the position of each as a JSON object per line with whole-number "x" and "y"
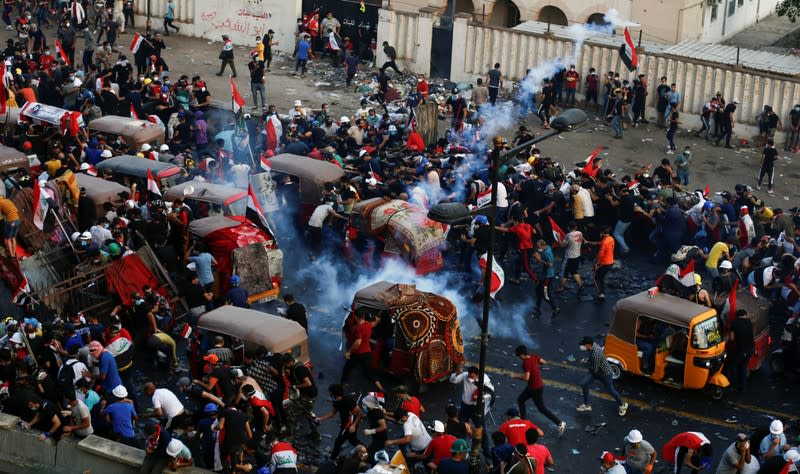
{"x": 663, "y": 307}
{"x": 12, "y": 159}
{"x": 203, "y": 227}
{"x": 275, "y": 333}
{"x": 206, "y": 192}
{"x": 101, "y": 190}
{"x": 134, "y": 131}
{"x": 311, "y": 173}
{"x": 138, "y": 166}
{"x": 368, "y": 297}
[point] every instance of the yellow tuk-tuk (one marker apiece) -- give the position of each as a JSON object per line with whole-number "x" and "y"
{"x": 256, "y": 329}
{"x": 671, "y": 340}
{"x": 134, "y": 132}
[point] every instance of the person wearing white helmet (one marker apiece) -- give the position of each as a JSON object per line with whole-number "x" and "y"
{"x": 773, "y": 443}
{"x": 298, "y": 110}
{"x": 180, "y": 454}
{"x": 640, "y": 456}
{"x": 164, "y": 154}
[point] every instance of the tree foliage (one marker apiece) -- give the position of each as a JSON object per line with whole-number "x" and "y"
{"x": 789, "y": 9}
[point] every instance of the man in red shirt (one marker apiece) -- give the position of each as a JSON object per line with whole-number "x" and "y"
{"x": 532, "y": 373}
{"x": 538, "y": 451}
{"x": 438, "y": 448}
{"x": 515, "y": 427}
{"x": 359, "y": 352}
{"x": 524, "y": 234}
{"x": 408, "y": 402}
{"x": 572, "y": 78}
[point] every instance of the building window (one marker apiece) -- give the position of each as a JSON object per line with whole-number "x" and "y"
{"x": 714, "y": 13}
{"x": 731, "y": 7}
{"x": 741, "y": 3}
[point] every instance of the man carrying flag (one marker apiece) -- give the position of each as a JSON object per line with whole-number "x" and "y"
{"x": 592, "y": 164}
{"x": 136, "y": 43}
{"x": 237, "y": 102}
{"x": 41, "y": 204}
{"x": 62, "y": 53}
{"x": 627, "y": 53}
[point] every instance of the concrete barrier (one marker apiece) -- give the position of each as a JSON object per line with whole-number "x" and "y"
{"x": 89, "y": 455}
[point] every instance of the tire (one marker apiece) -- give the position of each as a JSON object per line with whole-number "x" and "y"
{"x": 717, "y": 392}
{"x": 616, "y": 370}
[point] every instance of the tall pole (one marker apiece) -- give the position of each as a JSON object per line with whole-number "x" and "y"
{"x": 478, "y": 432}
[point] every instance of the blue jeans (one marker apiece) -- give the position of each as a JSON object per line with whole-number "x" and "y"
{"x": 605, "y": 380}
{"x": 648, "y": 349}
{"x": 671, "y": 137}
{"x": 619, "y": 235}
{"x": 616, "y": 124}
{"x": 571, "y": 96}
{"x": 683, "y": 176}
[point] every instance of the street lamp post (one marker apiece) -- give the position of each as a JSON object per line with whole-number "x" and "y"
{"x": 450, "y": 213}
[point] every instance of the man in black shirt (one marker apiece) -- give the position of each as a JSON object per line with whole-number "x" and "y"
{"x": 236, "y": 427}
{"x": 349, "y": 414}
{"x": 726, "y": 124}
{"x": 256, "y": 68}
{"x": 794, "y": 129}
{"x": 296, "y": 311}
{"x": 768, "y": 157}
{"x": 302, "y": 402}
{"x": 664, "y": 173}
{"x": 744, "y": 345}
{"x": 459, "y": 108}
{"x": 391, "y": 56}
{"x": 548, "y": 96}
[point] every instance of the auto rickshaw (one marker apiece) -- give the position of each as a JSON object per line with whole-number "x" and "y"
{"x": 673, "y": 341}
{"x": 255, "y": 328}
{"x": 418, "y": 337}
{"x": 135, "y": 132}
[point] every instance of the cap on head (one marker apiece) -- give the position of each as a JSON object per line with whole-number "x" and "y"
{"x": 607, "y": 457}
{"x": 726, "y": 265}
{"x": 586, "y": 340}
{"x": 459, "y": 446}
{"x": 438, "y": 427}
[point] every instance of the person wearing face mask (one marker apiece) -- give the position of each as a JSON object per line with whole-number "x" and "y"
{"x": 599, "y": 369}
{"x": 350, "y": 415}
{"x": 468, "y": 380}
{"x": 66, "y": 34}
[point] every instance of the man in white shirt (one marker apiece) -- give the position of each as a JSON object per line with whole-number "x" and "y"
{"x": 469, "y": 389}
{"x": 166, "y": 405}
{"x": 80, "y": 419}
{"x": 572, "y": 256}
{"x": 240, "y": 172}
{"x": 315, "y": 224}
{"x": 415, "y": 436}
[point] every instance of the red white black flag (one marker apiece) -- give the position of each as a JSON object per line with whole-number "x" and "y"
{"x": 627, "y": 53}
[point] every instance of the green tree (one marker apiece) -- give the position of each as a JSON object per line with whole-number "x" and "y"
{"x": 789, "y": 8}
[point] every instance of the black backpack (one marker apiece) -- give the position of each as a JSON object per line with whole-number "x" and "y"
{"x": 66, "y": 378}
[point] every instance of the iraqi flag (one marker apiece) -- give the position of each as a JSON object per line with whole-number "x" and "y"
{"x": 40, "y": 205}
{"x": 134, "y": 115}
{"x": 498, "y": 275}
{"x": 266, "y": 165}
{"x": 272, "y": 135}
{"x": 412, "y": 120}
{"x": 152, "y": 185}
{"x": 186, "y": 332}
{"x": 253, "y": 212}
{"x": 237, "y": 102}
{"x": 78, "y": 14}
{"x": 136, "y": 43}
{"x": 678, "y": 280}
{"x": 61, "y": 53}
{"x": 589, "y": 161}
{"x": 627, "y": 52}
{"x": 3, "y": 93}
{"x": 558, "y": 232}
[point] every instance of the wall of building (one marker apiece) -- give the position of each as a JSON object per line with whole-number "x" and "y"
{"x": 242, "y": 20}
{"x": 725, "y": 26}
{"x": 664, "y": 21}
{"x": 476, "y": 48}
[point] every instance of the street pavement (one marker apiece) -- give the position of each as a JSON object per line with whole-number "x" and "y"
{"x": 659, "y": 412}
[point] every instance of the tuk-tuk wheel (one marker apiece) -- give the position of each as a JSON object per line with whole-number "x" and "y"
{"x": 616, "y": 370}
{"x": 776, "y": 365}
{"x": 717, "y": 392}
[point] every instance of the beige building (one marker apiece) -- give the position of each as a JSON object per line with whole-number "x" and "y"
{"x": 662, "y": 21}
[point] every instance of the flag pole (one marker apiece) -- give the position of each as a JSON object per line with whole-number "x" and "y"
{"x": 61, "y": 225}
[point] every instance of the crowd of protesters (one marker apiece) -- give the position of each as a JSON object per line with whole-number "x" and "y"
{"x": 235, "y": 415}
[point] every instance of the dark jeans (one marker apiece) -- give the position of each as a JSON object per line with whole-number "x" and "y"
{"x": 605, "y": 380}
{"x": 493, "y": 95}
{"x": 358, "y": 360}
{"x": 570, "y": 96}
{"x": 769, "y": 173}
{"x": 538, "y": 400}
{"x": 543, "y": 293}
{"x": 738, "y": 370}
{"x": 168, "y": 24}
{"x": 725, "y": 130}
{"x": 600, "y": 278}
{"x": 226, "y": 62}
{"x": 301, "y": 66}
{"x": 648, "y": 348}
{"x": 671, "y": 137}
{"x": 344, "y": 435}
{"x": 390, "y": 64}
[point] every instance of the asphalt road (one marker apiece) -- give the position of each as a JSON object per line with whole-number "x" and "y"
{"x": 659, "y": 412}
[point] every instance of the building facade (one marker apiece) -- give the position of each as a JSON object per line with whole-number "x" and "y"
{"x": 662, "y": 21}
